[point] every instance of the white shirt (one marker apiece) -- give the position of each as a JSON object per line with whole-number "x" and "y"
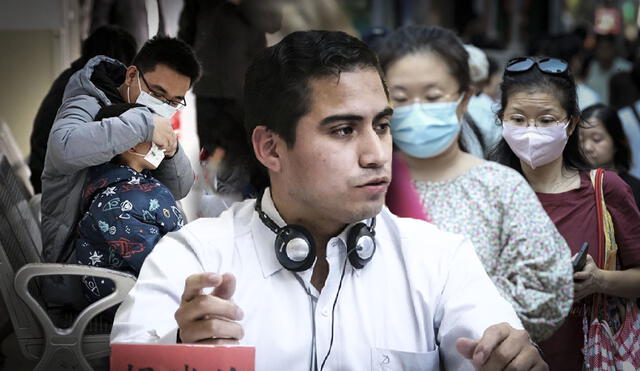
{"x": 423, "y": 289}
{"x": 631, "y": 127}
{"x": 586, "y": 96}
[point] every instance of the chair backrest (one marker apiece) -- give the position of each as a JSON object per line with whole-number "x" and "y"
{"x": 9, "y": 148}
{"x": 22, "y": 224}
{"x": 21, "y": 244}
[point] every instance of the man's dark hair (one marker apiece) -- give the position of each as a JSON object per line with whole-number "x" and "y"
{"x": 111, "y": 41}
{"x": 612, "y": 124}
{"x": 433, "y": 39}
{"x": 563, "y": 87}
{"x": 171, "y": 52}
{"x": 277, "y": 91}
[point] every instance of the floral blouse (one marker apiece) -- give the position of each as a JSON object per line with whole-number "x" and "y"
{"x": 519, "y": 246}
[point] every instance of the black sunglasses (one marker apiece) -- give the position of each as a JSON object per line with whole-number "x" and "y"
{"x": 552, "y": 66}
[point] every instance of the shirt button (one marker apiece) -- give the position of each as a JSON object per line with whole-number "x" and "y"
{"x": 325, "y": 312}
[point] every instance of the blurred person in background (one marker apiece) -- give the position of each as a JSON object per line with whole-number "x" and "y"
{"x": 605, "y": 64}
{"x": 302, "y": 15}
{"x": 225, "y": 35}
{"x": 568, "y": 47}
{"x": 111, "y": 41}
{"x": 143, "y": 19}
{"x": 625, "y": 98}
{"x": 427, "y": 71}
{"x": 605, "y": 145}
{"x": 481, "y": 106}
{"x": 492, "y": 87}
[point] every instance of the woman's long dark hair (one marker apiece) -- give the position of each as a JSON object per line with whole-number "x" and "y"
{"x": 563, "y": 87}
{"x": 613, "y": 125}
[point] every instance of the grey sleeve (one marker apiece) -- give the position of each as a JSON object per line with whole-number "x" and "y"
{"x": 176, "y": 174}
{"x": 77, "y": 142}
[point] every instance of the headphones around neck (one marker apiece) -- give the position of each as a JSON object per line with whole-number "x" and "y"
{"x": 295, "y": 247}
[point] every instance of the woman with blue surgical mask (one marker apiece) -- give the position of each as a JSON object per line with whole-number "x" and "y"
{"x": 541, "y": 122}
{"x": 427, "y": 72}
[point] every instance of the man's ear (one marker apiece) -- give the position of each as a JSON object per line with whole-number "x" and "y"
{"x": 132, "y": 72}
{"x": 265, "y": 146}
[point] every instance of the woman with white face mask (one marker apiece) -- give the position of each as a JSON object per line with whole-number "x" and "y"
{"x": 539, "y": 116}
{"x": 428, "y": 76}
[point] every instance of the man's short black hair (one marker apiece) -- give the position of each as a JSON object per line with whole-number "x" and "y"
{"x": 171, "y": 52}
{"x": 277, "y": 89}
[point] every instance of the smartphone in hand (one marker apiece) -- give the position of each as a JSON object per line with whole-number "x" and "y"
{"x": 581, "y": 258}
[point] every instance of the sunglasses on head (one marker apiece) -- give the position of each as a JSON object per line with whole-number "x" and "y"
{"x": 552, "y": 66}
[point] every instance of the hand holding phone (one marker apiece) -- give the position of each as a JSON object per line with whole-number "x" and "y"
{"x": 581, "y": 258}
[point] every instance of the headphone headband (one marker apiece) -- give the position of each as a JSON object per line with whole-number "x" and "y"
{"x": 264, "y": 217}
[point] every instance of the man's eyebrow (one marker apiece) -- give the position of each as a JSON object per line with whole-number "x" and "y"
{"x": 334, "y": 118}
{"x": 384, "y": 113}
{"x": 164, "y": 92}
{"x": 159, "y": 88}
{"x": 331, "y": 119}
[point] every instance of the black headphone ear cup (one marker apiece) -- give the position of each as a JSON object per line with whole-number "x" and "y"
{"x": 295, "y": 248}
{"x": 361, "y": 245}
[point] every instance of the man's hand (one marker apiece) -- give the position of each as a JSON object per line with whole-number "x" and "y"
{"x": 502, "y": 348}
{"x": 163, "y": 135}
{"x": 588, "y": 281}
{"x": 209, "y": 318}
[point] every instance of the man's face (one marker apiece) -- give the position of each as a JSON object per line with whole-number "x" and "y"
{"x": 339, "y": 168}
{"x": 162, "y": 83}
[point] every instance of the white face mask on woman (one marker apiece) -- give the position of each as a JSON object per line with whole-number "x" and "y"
{"x": 536, "y": 146}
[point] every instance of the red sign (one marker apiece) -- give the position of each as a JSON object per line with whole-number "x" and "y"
{"x": 181, "y": 357}
{"x": 608, "y": 21}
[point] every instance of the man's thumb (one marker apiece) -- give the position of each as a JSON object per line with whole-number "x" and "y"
{"x": 466, "y": 347}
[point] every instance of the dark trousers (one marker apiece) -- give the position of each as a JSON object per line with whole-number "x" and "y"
{"x": 220, "y": 123}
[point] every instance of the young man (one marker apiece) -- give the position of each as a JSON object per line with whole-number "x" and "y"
{"x": 372, "y": 291}
{"x": 125, "y": 211}
{"x": 159, "y": 77}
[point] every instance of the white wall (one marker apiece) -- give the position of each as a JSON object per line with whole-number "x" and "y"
{"x": 38, "y": 39}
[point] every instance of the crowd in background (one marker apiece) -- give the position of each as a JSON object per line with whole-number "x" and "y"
{"x": 499, "y": 150}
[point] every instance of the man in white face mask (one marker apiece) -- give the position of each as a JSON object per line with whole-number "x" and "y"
{"x": 158, "y": 79}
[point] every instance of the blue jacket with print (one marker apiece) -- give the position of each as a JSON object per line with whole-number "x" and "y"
{"x": 125, "y": 213}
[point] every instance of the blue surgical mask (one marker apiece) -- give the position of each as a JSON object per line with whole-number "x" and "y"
{"x": 425, "y": 130}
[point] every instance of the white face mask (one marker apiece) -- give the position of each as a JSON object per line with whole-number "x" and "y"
{"x": 156, "y": 105}
{"x": 536, "y": 146}
{"x": 154, "y": 156}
